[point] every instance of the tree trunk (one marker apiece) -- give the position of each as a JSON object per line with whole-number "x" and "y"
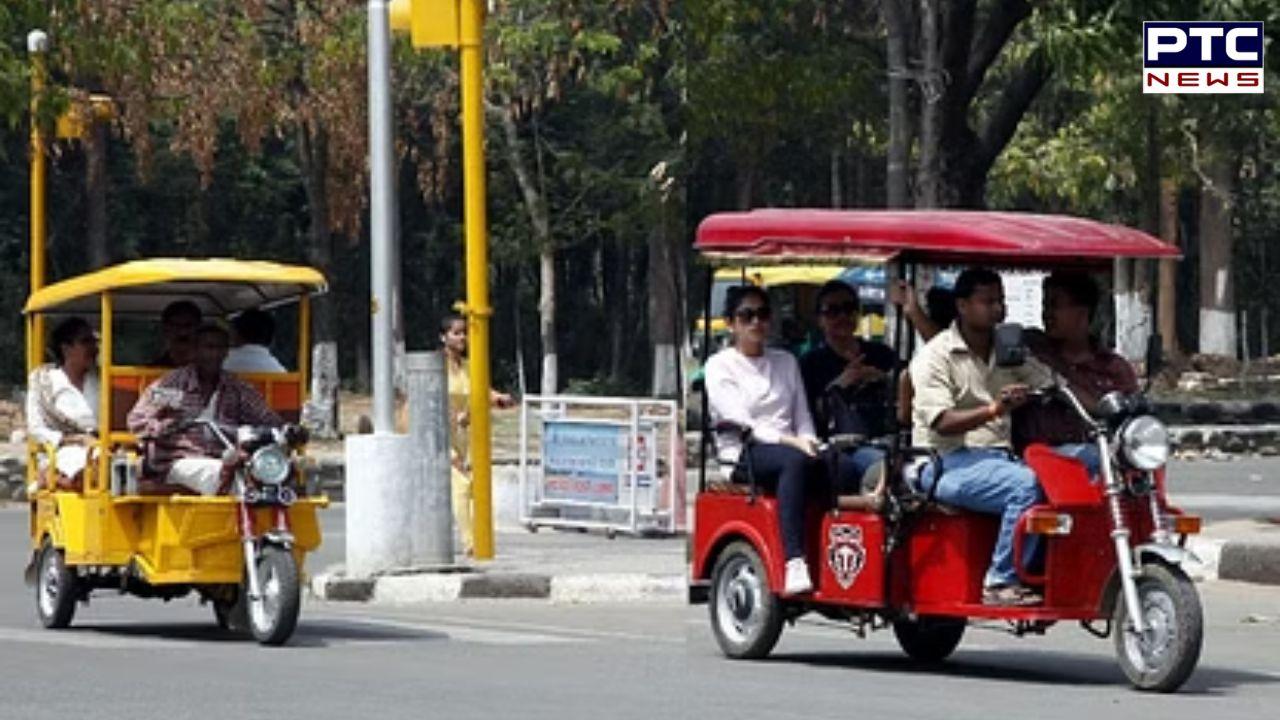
{"x": 1134, "y": 325}
{"x": 1217, "y": 291}
{"x": 929, "y": 179}
{"x": 313, "y": 157}
{"x": 665, "y": 293}
{"x": 746, "y": 187}
{"x": 617, "y": 297}
{"x": 1167, "y": 314}
{"x": 95, "y": 180}
{"x": 837, "y": 192}
{"x": 897, "y": 21}
{"x": 956, "y": 157}
{"x": 535, "y": 204}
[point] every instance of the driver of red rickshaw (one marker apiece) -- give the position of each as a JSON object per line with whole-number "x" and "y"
{"x": 192, "y": 457}
{"x": 961, "y": 409}
{"x": 759, "y": 388}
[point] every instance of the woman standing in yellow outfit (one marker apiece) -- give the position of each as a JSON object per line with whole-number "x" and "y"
{"x": 453, "y": 336}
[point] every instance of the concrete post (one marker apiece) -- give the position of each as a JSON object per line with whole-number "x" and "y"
{"x": 428, "y": 392}
{"x": 381, "y": 215}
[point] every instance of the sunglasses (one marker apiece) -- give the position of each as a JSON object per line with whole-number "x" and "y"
{"x": 837, "y": 309}
{"x": 86, "y": 340}
{"x": 749, "y": 315}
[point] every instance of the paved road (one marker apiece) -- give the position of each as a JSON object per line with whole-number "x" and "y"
{"x": 148, "y": 660}
{"x": 820, "y": 670}
{"x": 1227, "y": 489}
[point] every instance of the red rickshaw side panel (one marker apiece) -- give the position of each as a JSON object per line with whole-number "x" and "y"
{"x": 721, "y": 517}
{"x": 945, "y": 558}
{"x": 849, "y": 558}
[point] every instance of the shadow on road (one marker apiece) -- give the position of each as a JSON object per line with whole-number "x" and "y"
{"x": 310, "y": 634}
{"x": 1025, "y": 667}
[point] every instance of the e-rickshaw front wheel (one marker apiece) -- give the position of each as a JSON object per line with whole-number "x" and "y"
{"x": 56, "y": 588}
{"x": 746, "y": 616}
{"x": 1163, "y": 657}
{"x": 274, "y": 616}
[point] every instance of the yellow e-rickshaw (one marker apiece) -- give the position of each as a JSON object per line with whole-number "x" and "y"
{"x": 117, "y": 529}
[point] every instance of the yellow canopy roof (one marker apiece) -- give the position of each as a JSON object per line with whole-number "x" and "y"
{"x": 145, "y": 287}
{"x": 771, "y": 275}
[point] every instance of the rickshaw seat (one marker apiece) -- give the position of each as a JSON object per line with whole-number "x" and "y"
{"x": 282, "y": 391}
{"x": 154, "y": 487}
{"x": 728, "y": 487}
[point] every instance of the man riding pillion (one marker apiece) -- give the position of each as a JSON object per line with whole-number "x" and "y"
{"x": 1068, "y": 346}
{"x": 192, "y": 456}
{"x": 961, "y": 409}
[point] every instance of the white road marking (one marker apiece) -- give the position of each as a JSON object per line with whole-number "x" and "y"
{"x": 457, "y": 632}
{"x": 446, "y": 624}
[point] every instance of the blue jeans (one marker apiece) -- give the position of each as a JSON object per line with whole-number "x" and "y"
{"x": 852, "y": 465}
{"x": 986, "y": 480}
{"x": 1086, "y": 453}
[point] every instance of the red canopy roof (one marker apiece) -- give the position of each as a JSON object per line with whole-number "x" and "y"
{"x": 942, "y": 236}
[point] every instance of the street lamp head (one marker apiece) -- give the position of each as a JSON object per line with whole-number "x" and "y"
{"x": 37, "y": 41}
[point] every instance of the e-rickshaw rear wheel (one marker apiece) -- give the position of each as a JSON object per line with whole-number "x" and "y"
{"x": 1163, "y": 658}
{"x": 746, "y": 616}
{"x": 929, "y": 639}
{"x": 57, "y": 588}
{"x": 274, "y": 616}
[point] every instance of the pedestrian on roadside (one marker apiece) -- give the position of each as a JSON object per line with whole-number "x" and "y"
{"x": 453, "y": 337}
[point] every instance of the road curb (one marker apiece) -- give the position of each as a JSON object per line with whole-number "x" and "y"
{"x": 1248, "y": 561}
{"x": 416, "y": 588}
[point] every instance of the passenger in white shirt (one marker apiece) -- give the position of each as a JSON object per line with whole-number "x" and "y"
{"x": 760, "y": 388}
{"x": 253, "y": 331}
{"x": 62, "y": 399}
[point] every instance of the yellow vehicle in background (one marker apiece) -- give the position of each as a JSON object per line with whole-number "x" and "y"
{"x": 795, "y": 288}
{"x": 121, "y": 530}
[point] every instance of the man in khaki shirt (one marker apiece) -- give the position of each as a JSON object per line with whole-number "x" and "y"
{"x": 961, "y": 408}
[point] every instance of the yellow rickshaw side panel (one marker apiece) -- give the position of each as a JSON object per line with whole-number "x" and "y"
{"x": 196, "y": 539}
{"x": 180, "y": 539}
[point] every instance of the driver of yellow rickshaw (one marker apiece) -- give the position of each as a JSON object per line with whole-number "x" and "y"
{"x": 178, "y": 324}
{"x": 191, "y": 456}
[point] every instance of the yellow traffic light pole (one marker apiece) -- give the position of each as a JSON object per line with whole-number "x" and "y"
{"x": 37, "y": 46}
{"x": 460, "y": 23}
{"x": 476, "y": 222}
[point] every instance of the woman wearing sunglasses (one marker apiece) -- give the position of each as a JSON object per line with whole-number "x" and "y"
{"x": 845, "y": 380}
{"x": 759, "y": 388}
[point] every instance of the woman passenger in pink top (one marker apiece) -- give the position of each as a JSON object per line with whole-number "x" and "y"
{"x": 754, "y": 386}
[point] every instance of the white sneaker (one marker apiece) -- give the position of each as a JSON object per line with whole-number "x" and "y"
{"x": 797, "y": 580}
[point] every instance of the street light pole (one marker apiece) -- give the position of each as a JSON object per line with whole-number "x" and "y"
{"x": 37, "y": 46}
{"x": 382, "y": 216}
{"x": 471, "y": 37}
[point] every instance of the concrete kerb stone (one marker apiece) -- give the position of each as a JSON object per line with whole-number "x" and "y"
{"x": 1249, "y": 561}
{"x": 406, "y": 589}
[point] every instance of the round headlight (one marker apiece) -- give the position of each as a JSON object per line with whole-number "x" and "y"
{"x": 269, "y": 465}
{"x": 1144, "y": 442}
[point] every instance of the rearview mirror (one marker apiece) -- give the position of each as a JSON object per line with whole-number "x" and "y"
{"x": 1010, "y": 348}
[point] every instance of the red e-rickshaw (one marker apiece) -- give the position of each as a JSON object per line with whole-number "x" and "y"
{"x": 1113, "y": 548}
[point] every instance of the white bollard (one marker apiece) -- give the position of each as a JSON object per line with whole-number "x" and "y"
{"x": 381, "y": 499}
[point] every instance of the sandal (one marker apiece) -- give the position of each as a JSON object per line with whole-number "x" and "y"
{"x": 1011, "y": 595}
